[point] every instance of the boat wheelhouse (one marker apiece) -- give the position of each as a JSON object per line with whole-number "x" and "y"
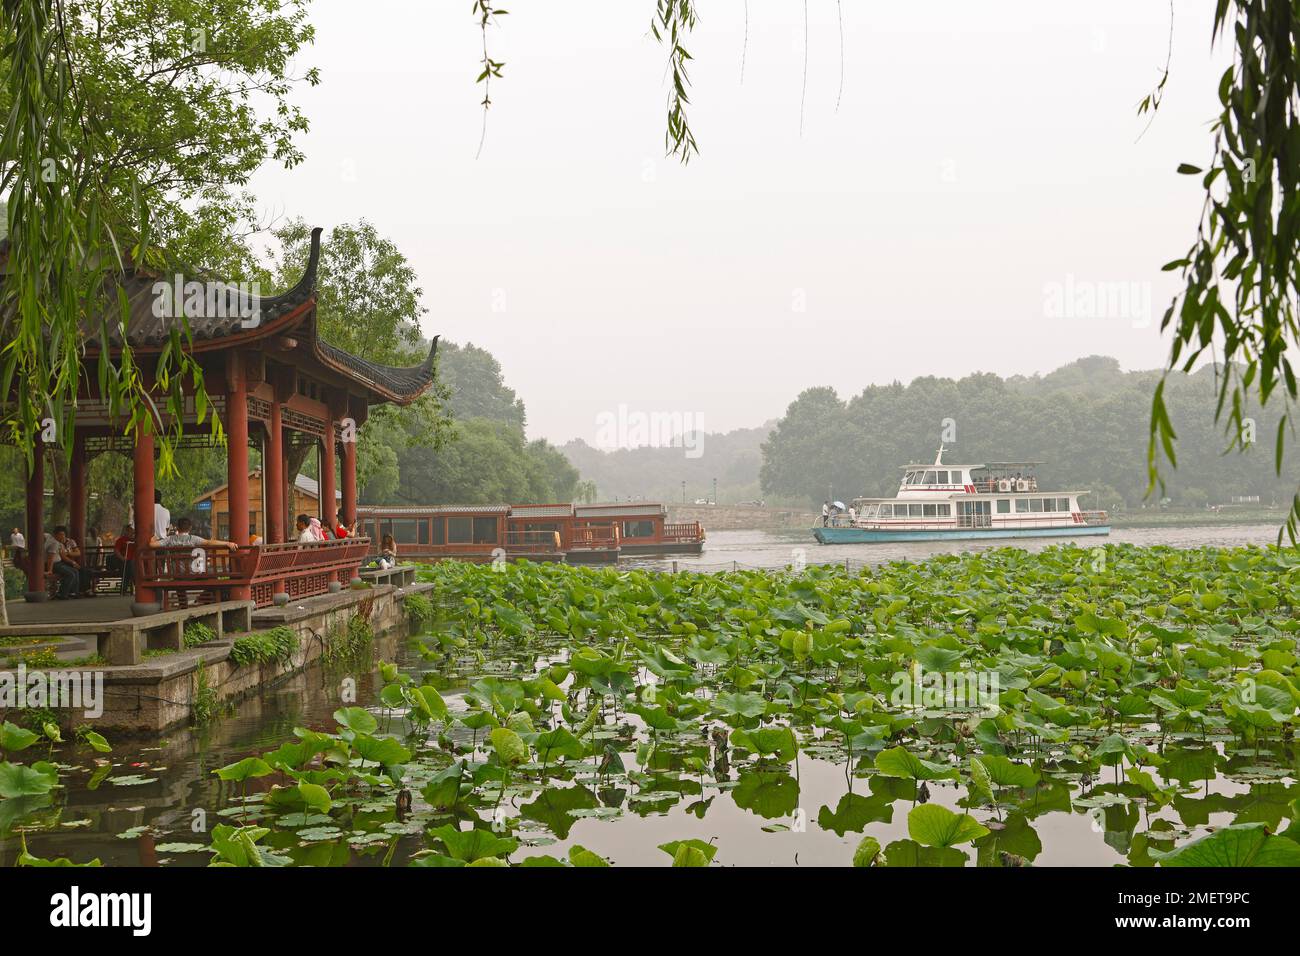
{"x": 934, "y": 502}
{"x": 643, "y": 527}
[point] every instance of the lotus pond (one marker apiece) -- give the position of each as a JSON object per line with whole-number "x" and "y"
{"x": 1100, "y": 706}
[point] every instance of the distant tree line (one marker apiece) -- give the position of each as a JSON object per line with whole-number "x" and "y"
{"x": 1087, "y": 421}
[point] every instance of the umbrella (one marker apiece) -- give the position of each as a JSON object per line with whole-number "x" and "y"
{"x": 838, "y": 504}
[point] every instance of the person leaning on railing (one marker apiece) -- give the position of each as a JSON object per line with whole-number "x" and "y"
{"x": 184, "y": 539}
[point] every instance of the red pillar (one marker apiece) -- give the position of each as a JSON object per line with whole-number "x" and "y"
{"x": 273, "y": 468}
{"x": 77, "y": 493}
{"x": 328, "y": 488}
{"x": 146, "y": 599}
{"x": 36, "y": 525}
{"x": 349, "y": 482}
{"x": 237, "y": 456}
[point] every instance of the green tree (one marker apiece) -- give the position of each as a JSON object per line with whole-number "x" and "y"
{"x": 1241, "y": 275}
{"x": 120, "y": 113}
{"x": 477, "y": 386}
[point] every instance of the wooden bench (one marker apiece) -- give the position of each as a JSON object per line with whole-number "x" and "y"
{"x": 400, "y": 575}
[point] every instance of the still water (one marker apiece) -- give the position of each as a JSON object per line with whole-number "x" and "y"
{"x": 765, "y": 549}
{"x": 134, "y": 807}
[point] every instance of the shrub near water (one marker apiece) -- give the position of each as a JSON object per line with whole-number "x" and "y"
{"x": 265, "y": 647}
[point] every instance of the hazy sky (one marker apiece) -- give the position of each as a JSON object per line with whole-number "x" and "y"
{"x": 981, "y": 180}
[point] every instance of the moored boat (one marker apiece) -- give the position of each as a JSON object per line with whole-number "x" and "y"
{"x": 958, "y": 502}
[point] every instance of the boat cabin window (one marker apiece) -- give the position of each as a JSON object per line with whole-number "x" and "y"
{"x": 485, "y": 530}
{"x": 931, "y": 477}
{"x": 460, "y": 530}
{"x": 403, "y": 530}
{"x": 886, "y": 511}
{"x": 439, "y": 531}
{"x": 638, "y": 529}
{"x": 1004, "y": 506}
{"x": 1034, "y": 505}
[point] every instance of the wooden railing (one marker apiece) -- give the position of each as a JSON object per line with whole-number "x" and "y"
{"x": 683, "y": 532}
{"x": 593, "y": 538}
{"x": 205, "y": 575}
{"x": 533, "y": 542}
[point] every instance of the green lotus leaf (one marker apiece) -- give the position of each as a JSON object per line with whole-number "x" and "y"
{"x": 932, "y": 824}
{"x": 899, "y": 762}
{"x": 509, "y": 746}
{"x": 1237, "y": 845}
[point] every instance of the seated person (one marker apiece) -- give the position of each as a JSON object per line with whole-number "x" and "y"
{"x": 339, "y": 529}
{"x": 309, "y": 529}
{"x": 183, "y": 538}
{"x": 73, "y": 579}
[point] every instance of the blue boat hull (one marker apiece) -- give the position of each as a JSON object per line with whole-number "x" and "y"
{"x": 872, "y": 535}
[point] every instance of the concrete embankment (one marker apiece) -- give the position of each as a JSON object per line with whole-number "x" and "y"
{"x": 743, "y": 517}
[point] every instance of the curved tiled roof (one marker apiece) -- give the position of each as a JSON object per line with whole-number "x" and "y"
{"x": 400, "y": 385}
{"x": 156, "y": 301}
{"x": 228, "y": 309}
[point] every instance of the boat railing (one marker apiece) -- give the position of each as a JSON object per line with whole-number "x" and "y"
{"x": 1094, "y": 517}
{"x": 974, "y": 521}
{"x": 532, "y": 542}
{"x": 683, "y": 531}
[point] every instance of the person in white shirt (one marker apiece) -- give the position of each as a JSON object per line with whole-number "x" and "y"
{"x": 309, "y": 530}
{"x": 162, "y": 518}
{"x": 18, "y": 548}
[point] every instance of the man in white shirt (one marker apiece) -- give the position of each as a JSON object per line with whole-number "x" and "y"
{"x": 18, "y": 548}
{"x": 162, "y": 518}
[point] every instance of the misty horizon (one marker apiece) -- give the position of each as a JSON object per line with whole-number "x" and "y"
{"x": 1006, "y": 213}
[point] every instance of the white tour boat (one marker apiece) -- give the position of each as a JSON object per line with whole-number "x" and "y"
{"x": 997, "y": 499}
